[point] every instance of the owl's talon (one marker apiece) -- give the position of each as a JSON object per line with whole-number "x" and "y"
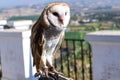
{"x": 37, "y": 74}
{"x": 53, "y": 70}
{"x": 45, "y": 70}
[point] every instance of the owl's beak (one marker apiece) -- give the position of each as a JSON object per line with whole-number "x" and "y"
{"x": 61, "y": 21}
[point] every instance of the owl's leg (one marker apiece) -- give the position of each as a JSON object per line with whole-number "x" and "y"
{"x": 45, "y": 70}
{"x": 51, "y": 67}
{"x": 49, "y": 58}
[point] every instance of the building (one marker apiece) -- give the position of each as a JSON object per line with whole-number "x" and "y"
{"x": 2, "y": 23}
{"x": 20, "y": 24}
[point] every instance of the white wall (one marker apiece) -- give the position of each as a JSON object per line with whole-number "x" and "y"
{"x": 105, "y": 54}
{"x": 15, "y": 55}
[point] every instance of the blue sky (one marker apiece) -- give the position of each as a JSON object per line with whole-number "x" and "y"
{"x": 11, "y": 3}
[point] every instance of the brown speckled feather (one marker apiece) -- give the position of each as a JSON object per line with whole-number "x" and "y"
{"x": 37, "y": 41}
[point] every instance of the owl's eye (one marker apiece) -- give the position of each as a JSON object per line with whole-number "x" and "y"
{"x": 55, "y": 14}
{"x": 65, "y": 13}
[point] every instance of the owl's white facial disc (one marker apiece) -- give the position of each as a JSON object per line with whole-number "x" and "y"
{"x": 59, "y": 16}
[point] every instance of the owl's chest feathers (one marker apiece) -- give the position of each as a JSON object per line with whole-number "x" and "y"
{"x": 52, "y": 33}
{"x": 52, "y": 36}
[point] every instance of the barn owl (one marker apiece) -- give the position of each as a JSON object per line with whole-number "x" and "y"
{"x": 47, "y": 34}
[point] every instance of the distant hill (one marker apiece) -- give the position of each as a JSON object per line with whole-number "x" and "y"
{"x": 76, "y": 7}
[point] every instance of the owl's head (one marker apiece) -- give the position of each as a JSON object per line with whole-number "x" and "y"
{"x": 56, "y": 14}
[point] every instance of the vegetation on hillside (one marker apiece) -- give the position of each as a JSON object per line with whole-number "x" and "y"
{"x": 32, "y": 17}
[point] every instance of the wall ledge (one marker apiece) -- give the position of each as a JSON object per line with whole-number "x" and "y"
{"x": 104, "y": 36}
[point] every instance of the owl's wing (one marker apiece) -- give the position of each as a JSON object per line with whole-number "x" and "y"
{"x": 59, "y": 44}
{"x": 37, "y": 42}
